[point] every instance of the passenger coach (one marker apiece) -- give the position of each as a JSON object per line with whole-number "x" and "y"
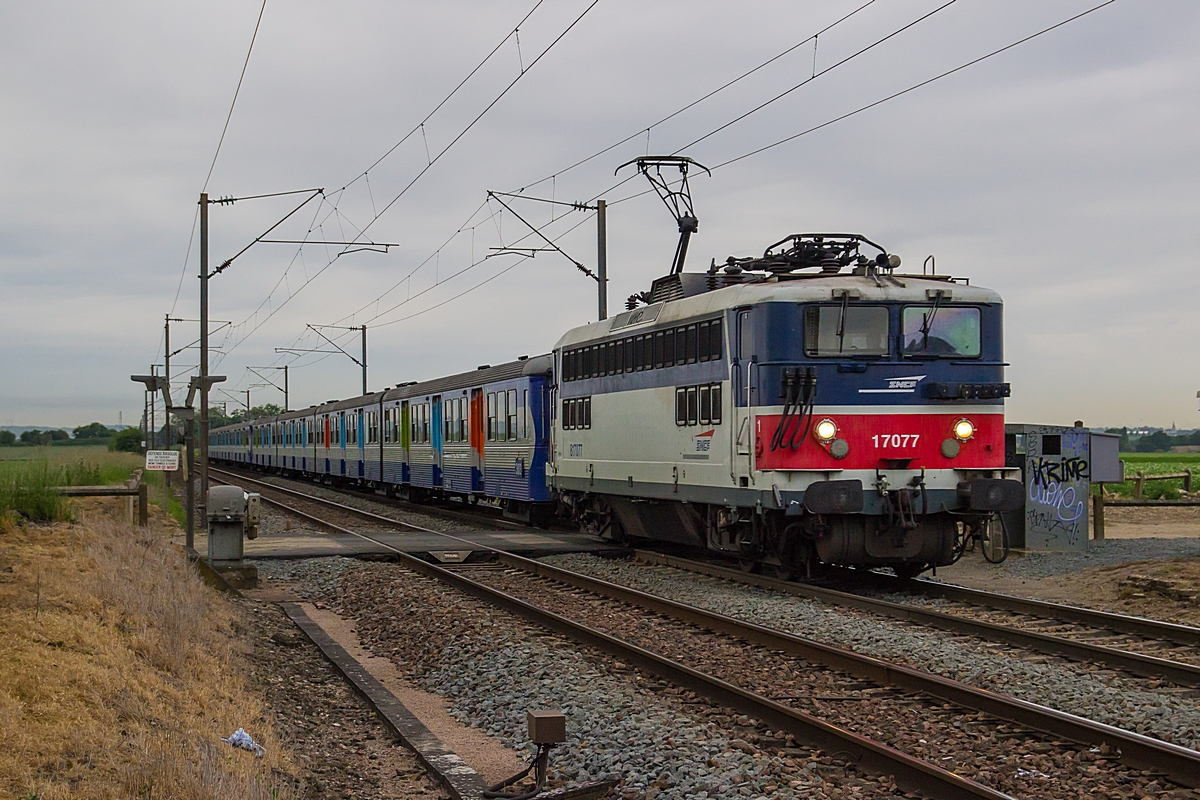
{"x": 478, "y": 435}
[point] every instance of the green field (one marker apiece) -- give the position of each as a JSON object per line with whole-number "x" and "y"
{"x": 1157, "y": 464}
{"x": 28, "y": 475}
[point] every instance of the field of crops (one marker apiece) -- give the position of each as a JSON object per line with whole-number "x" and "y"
{"x": 1157, "y": 464}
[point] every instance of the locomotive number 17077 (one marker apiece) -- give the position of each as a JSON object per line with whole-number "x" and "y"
{"x": 895, "y": 439}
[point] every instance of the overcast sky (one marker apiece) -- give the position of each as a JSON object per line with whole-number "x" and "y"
{"x": 1061, "y": 173}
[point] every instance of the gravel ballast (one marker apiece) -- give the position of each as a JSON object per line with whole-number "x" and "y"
{"x": 659, "y": 741}
{"x": 1102, "y": 553}
{"x": 1095, "y": 694}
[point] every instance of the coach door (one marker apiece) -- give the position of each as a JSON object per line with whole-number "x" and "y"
{"x": 744, "y": 375}
{"x": 436, "y": 437}
{"x": 475, "y": 434}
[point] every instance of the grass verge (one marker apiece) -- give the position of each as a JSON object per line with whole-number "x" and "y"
{"x": 119, "y": 672}
{"x": 26, "y": 483}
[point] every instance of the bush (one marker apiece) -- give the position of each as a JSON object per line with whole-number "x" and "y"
{"x": 7, "y": 438}
{"x": 127, "y": 441}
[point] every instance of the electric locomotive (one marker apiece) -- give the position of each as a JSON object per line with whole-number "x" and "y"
{"x": 809, "y": 405}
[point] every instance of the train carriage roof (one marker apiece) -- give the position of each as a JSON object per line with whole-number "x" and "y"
{"x": 801, "y": 289}
{"x": 537, "y": 365}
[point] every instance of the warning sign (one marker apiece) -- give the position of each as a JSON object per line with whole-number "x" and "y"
{"x": 162, "y": 460}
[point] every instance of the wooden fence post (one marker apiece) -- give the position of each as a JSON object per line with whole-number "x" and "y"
{"x": 1098, "y": 514}
{"x": 1187, "y": 480}
{"x": 1138, "y": 484}
{"x": 143, "y": 504}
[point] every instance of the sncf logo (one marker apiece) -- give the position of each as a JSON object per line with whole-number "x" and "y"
{"x": 703, "y": 441}
{"x": 904, "y": 385}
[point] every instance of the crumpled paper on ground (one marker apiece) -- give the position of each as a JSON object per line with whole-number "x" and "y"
{"x": 240, "y": 738}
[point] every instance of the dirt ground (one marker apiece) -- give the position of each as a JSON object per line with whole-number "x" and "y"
{"x": 343, "y": 748}
{"x": 1137, "y": 522}
{"x": 1166, "y": 588}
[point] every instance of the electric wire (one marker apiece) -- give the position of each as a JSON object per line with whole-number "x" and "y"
{"x": 236, "y": 92}
{"x": 915, "y": 86}
{"x": 740, "y": 157}
{"x": 421, "y": 173}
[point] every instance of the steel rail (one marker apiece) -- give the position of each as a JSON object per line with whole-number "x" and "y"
{"x": 1136, "y": 750}
{"x": 432, "y": 511}
{"x": 1121, "y": 623}
{"x": 1180, "y": 764}
{"x": 910, "y": 773}
{"x": 1136, "y": 663}
{"x": 368, "y": 515}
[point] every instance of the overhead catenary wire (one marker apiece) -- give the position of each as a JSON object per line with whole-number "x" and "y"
{"x": 915, "y": 86}
{"x": 756, "y": 151}
{"x": 834, "y": 120}
{"x": 413, "y": 181}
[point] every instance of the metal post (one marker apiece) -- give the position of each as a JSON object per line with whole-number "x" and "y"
{"x": 145, "y": 417}
{"x": 153, "y": 427}
{"x": 286, "y": 406}
{"x": 203, "y": 433}
{"x": 189, "y": 439}
{"x": 364, "y": 359}
{"x": 247, "y": 404}
{"x": 169, "y": 434}
{"x": 602, "y": 255}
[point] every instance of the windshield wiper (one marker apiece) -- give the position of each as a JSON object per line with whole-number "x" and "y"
{"x": 841, "y": 328}
{"x": 927, "y": 320}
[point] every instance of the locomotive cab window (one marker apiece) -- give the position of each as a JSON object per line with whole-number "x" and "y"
{"x": 846, "y": 330}
{"x": 937, "y": 330}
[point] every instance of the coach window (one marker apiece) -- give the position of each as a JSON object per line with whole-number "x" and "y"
{"x": 511, "y": 419}
{"x": 524, "y": 414}
{"x": 844, "y": 329}
{"x": 941, "y": 331}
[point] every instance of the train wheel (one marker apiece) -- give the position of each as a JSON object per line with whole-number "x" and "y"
{"x": 906, "y": 572}
{"x": 748, "y": 565}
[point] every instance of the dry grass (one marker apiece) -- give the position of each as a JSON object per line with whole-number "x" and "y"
{"x": 119, "y": 671}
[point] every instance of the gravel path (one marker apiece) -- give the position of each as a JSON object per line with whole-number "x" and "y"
{"x": 1086, "y": 691}
{"x": 661, "y": 742}
{"x": 1100, "y": 554}
{"x": 340, "y": 746}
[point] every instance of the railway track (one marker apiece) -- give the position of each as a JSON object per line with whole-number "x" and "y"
{"x": 830, "y": 688}
{"x": 477, "y": 515}
{"x": 1076, "y": 635}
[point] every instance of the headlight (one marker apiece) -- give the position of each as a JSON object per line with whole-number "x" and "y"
{"x": 826, "y": 430}
{"x": 964, "y": 429}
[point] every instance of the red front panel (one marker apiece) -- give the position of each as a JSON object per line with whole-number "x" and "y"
{"x": 875, "y": 437}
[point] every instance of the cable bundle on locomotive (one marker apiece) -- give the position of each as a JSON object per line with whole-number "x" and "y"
{"x": 808, "y": 405}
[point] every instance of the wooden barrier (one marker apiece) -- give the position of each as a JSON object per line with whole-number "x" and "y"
{"x": 1139, "y": 481}
{"x": 134, "y": 487}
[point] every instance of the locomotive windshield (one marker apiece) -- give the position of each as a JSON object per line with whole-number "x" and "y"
{"x": 846, "y": 330}
{"x": 941, "y": 330}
